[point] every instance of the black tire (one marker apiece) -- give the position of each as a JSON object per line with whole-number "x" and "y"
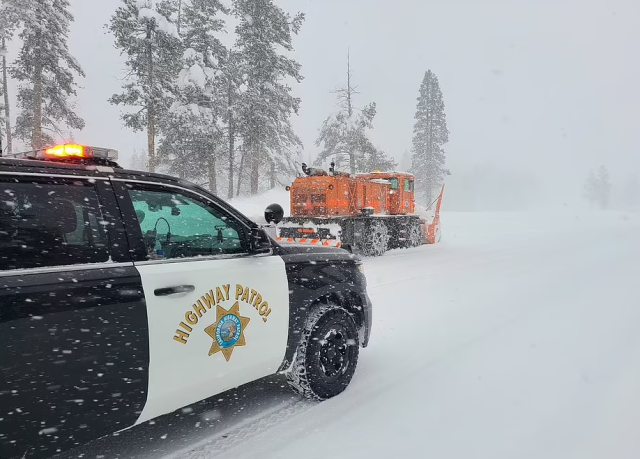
{"x": 376, "y": 239}
{"x": 327, "y": 355}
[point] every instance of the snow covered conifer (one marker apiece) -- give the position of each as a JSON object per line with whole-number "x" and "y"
{"x": 198, "y": 108}
{"x": 597, "y": 188}
{"x": 605, "y": 187}
{"x": 144, "y": 32}
{"x": 430, "y": 134}
{"x": 591, "y": 189}
{"x": 193, "y": 134}
{"x": 46, "y": 72}
{"x": 343, "y": 135}
{"x": 265, "y": 103}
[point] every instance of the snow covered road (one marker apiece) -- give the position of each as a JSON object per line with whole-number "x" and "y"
{"x": 517, "y": 336}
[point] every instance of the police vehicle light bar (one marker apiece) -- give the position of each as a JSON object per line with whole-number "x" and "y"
{"x": 64, "y": 151}
{"x": 69, "y": 151}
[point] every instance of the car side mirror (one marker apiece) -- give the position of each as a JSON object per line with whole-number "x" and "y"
{"x": 274, "y": 213}
{"x": 260, "y": 242}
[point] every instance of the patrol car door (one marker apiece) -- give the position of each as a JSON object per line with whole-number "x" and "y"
{"x": 218, "y": 314}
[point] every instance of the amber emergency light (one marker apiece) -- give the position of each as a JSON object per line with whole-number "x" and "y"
{"x": 69, "y": 152}
{"x": 65, "y": 151}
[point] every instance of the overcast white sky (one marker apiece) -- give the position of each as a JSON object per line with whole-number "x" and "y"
{"x": 548, "y": 86}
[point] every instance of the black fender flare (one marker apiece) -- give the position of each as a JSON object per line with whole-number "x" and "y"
{"x": 344, "y": 295}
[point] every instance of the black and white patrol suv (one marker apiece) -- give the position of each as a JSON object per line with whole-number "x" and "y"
{"x": 127, "y": 295}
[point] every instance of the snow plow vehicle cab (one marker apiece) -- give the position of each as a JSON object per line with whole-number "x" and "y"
{"x": 401, "y": 198}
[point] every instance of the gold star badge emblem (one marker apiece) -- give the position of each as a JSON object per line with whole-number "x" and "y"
{"x": 227, "y": 331}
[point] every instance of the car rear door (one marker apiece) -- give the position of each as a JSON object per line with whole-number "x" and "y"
{"x": 218, "y": 315}
{"x": 73, "y": 325}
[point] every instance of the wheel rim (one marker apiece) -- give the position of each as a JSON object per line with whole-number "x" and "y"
{"x": 416, "y": 236}
{"x": 334, "y": 353}
{"x": 377, "y": 239}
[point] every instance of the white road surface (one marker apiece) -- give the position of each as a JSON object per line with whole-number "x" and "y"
{"x": 516, "y": 337}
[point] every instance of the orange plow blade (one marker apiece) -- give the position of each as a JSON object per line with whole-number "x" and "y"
{"x": 433, "y": 229}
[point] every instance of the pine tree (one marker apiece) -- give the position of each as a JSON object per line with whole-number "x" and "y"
{"x": 46, "y": 72}
{"x": 343, "y": 135}
{"x": 193, "y": 133}
{"x": 605, "y": 187}
{"x": 430, "y": 134}
{"x": 597, "y": 188}
{"x": 263, "y": 108}
{"x": 143, "y": 31}
{"x": 591, "y": 189}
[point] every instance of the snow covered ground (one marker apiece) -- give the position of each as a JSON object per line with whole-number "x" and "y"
{"x": 518, "y": 336}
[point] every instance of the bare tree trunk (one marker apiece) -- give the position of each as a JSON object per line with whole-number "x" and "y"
{"x": 179, "y": 15}
{"x": 352, "y": 162}
{"x": 212, "y": 174}
{"x": 349, "y": 106}
{"x": 255, "y": 170}
{"x": 232, "y": 139}
{"x": 36, "y": 127}
{"x": 272, "y": 180}
{"x": 151, "y": 137}
{"x": 36, "y": 121}
{"x": 151, "y": 122}
{"x": 352, "y": 154}
{"x": 7, "y": 110}
{"x": 240, "y": 171}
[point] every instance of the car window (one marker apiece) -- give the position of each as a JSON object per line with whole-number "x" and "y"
{"x": 50, "y": 224}
{"x": 394, "y": 183}
{"x": 408, "y": 185}
{"x": 175, "y": 225}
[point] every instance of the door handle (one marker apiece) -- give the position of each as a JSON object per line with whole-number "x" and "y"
{"x": 173, "y": 290}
